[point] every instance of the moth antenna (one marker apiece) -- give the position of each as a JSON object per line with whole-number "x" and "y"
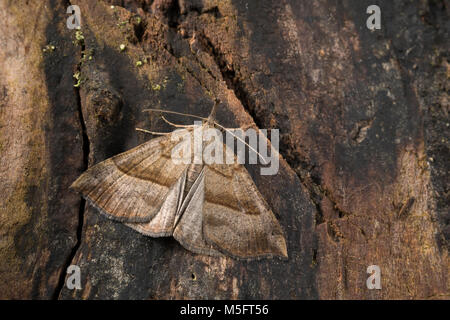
{"x": 238, "y": 138}
{"x": 176, "y": 125}
{"x": 174, "y": 112}
{"x": 152, "y": 132}
{"x": 202, "y": 118}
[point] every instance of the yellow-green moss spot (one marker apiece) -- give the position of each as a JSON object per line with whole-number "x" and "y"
{"x": 77, "y": 76}
{"x": 121, "y": 23}
{"x": 156, "y": 87}
{"x": 138, "y": 63}
{"x": 49, "y": 48}
{"x": 165, "y": 81}
{"x": 122, "y": 47}
{"x": 87, "y": 54}
{"x": 79, "y": 37}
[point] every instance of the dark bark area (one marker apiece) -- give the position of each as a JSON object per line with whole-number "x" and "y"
{"x": 364, "y": 141}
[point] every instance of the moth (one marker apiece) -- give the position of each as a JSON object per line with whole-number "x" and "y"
{"x": 210, "y": 209}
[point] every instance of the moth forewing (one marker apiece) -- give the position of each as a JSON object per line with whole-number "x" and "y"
{"x": 189, "y": 228}
{"x": 162, "y": 225}
{"x": 244, "y": 227}
{"x": 126, "y": 187}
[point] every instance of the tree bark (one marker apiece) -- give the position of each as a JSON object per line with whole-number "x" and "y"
{"x": 364, "y": 142}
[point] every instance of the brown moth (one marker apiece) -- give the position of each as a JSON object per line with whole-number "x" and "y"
{"x": 211, "y": 209}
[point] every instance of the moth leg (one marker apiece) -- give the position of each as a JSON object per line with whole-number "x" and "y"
{"x": 176, "y": 125}
{"x": 152, "y": 132}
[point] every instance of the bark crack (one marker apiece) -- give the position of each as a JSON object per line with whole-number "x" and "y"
{"x": 231, "y": 78}
{"x": 301, "y": 166}
{"x": 82, "y": 206}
